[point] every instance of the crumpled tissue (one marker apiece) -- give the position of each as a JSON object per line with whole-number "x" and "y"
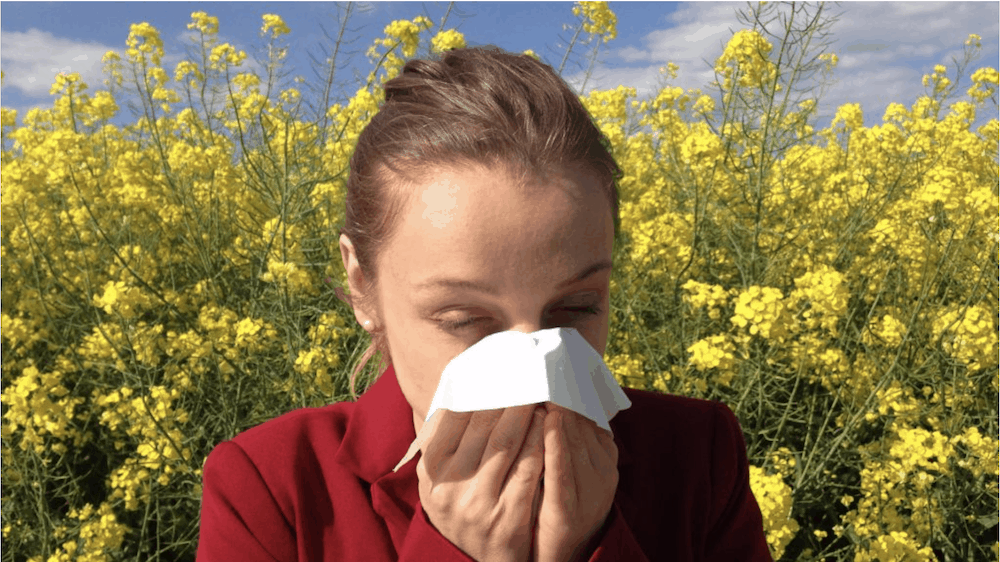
{"x": 514, "y": 369}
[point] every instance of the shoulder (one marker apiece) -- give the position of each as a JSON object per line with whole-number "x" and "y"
{"x": 687, "y": 481}
{"x": 670, "y": 416}
{"x": 257, "y": 484}
{"x": 324, "y": 426}
{"x": 303, "y": 438}
{"x": 659, "y": 429}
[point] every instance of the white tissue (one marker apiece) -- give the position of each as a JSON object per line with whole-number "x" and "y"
{"x": 514, "y": 369}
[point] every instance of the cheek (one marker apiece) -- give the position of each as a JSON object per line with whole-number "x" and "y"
{"x": 417, "y": 384}
{"x": 416, "y": 361}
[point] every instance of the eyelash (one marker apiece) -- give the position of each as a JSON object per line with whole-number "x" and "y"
{"x": 454, "y": 326}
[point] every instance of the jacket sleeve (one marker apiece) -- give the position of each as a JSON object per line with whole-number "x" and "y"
{"x": 240, "y": 519}
{"x": 617, "y": 543}
{"x": 425, "y": 542}
{"x": 737, "y": 528}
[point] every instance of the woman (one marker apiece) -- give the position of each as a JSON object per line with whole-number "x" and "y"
{"x": 481, "y": 198}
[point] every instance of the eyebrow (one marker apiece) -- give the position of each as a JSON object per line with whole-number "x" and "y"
{"x": 440, "y": 282}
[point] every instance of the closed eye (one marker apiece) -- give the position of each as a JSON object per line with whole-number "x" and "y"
{"x": 451, "y": 325}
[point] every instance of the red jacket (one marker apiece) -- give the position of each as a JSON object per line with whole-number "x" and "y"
{"x": 317, "y": 484}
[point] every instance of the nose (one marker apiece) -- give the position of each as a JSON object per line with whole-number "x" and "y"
{"x": 526, "y": 327}
{"x": 542, "y": 322}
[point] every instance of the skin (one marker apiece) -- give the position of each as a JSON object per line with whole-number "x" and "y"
{"x": 527, "y": 244}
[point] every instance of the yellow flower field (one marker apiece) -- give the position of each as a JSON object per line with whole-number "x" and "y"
{"x": 170, "y": 283}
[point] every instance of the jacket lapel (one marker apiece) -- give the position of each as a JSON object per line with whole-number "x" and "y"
{"x": 378, "y": 434}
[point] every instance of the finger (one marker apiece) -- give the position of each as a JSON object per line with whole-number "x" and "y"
{"x": 469, "y": 455}
{"x": 558, "y": 480}
{"x": 572, "y": 423}
{"x": 444, "y": 436}
{"x": 522, "y": 482}
{"x": 579, "y": 450}
{"x": 601, "y": 458}
{"x": 505, "y": 442}
{"x": 507, "y": 434}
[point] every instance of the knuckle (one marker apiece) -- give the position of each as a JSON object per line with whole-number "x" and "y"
{"x": 485, "y": 419}
{"x": 472, "y": 508}
{"x": 529, "y": 467}
{"x": 504, "y": 437}
{"x": 430, "y": 466}
{"x": 432, "y": 454}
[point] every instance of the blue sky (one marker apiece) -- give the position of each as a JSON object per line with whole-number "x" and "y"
{"x": 884, "y": 47}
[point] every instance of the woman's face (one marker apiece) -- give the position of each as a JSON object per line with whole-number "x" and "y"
{"x": 474, "y": 254}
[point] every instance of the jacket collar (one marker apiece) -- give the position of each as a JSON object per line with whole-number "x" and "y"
{"x": 380, "y": 431}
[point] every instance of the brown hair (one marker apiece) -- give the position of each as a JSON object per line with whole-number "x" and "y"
{"x": 470, "y": 106}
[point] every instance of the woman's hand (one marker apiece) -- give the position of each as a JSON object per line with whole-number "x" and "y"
{"x": 478, "y": 479}
{"x": 580, "y": 479}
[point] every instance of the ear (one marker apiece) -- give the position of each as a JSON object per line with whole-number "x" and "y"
{"x": 355, "y": 278}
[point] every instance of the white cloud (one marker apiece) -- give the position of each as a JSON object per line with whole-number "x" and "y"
{"x": 697, "y": 31}
{"x": 707, "y": 31}
{"x": 884, "y": 49}
{"x": 644, "y": 79}
{"x": 631, "y": 54}
{"x": 864, "y": 60}
{"x": 33, "y": 58}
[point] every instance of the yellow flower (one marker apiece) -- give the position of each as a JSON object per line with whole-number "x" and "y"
{"x": 447, "y": 40}
{"x": 144, "y": 39}
{"x": 831, "y": 60}
{"x": 204, "y": 23}
{"x": 184, "y": 68}
{"x": 225, "y": 53}
{"x": 714, "y": 352}
{"x": 762, "y": 309}
{"x": 850, "y": 114}
{"x": 274, "y": 24}
{"x": 969, "y": 335}
{"x": 984, "y": 84}
{"x": 825, "y": 290}
{"x": 627, "y": 369}
{"x": 598, "y": 19}
{"x": 746, "y": 55}
{"x": 774, "y": 498}
{"x": 887, "y": 329}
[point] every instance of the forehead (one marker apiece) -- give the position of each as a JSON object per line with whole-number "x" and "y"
{"x": 477, "y": 220}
